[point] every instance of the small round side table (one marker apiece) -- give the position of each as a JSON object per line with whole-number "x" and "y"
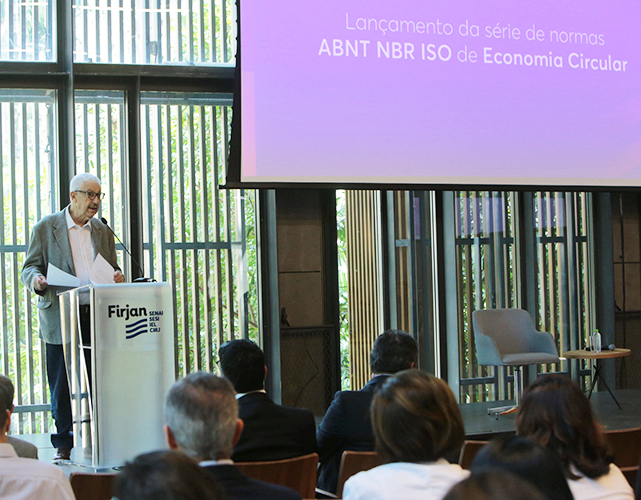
{"x": 598, "y": 356}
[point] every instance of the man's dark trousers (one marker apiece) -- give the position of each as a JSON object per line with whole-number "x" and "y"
{"x": 59, "y": 385}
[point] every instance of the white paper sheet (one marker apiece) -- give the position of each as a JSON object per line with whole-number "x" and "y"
{"x": 57, "y": 278}
{"x": 101, "y": 272}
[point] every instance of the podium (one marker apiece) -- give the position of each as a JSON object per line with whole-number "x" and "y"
{"x": 119, "y": 381}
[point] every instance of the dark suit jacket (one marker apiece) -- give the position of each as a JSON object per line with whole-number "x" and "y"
{"x": 273, "y": 432}
{"x": 237, "y": 486}
{"x": 345, "y": 426}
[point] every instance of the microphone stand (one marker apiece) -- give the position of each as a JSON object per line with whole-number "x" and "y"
{"x": 142, "y": 272}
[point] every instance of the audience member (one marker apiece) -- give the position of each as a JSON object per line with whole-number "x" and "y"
{"x": 201, "y": 412}
{"x": 165, "y": 475}
{"x": 347, "y": 425}
{"x": 494, "y": 486}
{"x": 24, "y": 478}
{"x": 23, "y": 448}
{"x": 416, "y": 423}
{"x": 555, "y": 413}
{"x": 526, "y": 459}
{"x": 271, "y": 431}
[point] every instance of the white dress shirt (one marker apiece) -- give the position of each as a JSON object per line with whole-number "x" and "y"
{"x": 610, "y": 486}
{"x": 28, "y": 479}
{"x": 82, "y": 251}
{"x": 404, "y": 480}
{"x": 220, "y": 461}
{"x": 241, "y": 394}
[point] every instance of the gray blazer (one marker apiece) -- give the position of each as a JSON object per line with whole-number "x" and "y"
{"x": 23, "y": 448}
{"x": 50, "y": 243}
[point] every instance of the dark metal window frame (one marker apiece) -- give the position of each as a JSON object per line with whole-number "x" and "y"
{"x": 441, "y": 337}
{"x": 65, "y": 77}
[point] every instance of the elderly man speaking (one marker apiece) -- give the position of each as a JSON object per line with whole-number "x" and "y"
{"x": 70, "y": 240}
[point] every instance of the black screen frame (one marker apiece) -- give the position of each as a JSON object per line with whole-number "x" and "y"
{"x": 234, "y": 160}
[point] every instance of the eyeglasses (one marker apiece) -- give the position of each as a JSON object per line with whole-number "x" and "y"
{"x": 91, "y": 195}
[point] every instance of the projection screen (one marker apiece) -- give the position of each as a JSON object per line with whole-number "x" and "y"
{"x": 446, "y": 92}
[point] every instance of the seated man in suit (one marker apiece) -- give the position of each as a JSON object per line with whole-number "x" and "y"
{"x": 347, "y": 424}
{"x": 271, "y": 432}
{"x": 202, "y": 421}
{"x": 24, "y": 449}
{"x": 165, "y": 475}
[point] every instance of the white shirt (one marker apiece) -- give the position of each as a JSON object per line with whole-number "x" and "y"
{"x": 241, "y": 394}
{"x": 81, "y": 247}
{"x": 221, "y": 461}
{"x": 28, "y": 479}
{"x": 611, "y": 486}
{"x": 82, "y": 251}
{"x": 406, "y": 481}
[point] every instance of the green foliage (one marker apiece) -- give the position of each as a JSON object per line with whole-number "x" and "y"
{"x": 343, "y": 290}
{"x": 187, "y": 210}
{"x": 24, "y": 159}
{"x": 210, "y": 302}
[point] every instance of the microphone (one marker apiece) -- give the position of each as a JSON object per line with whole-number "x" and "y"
{"x": 142, "y": 272}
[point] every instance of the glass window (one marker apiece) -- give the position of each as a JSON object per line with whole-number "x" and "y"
{"x": 563, "y": 271}
{"x": 27, "y": 31}
{"x": 197, "y": 236}
{"x": 101, "y": 150}
{"x": 154, "y": 31}
{"x": 27, "y": 193}
{"x": 487, "y": 272}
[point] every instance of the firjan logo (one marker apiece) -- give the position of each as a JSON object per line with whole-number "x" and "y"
{"x": 138, "y": 321}
{"x": 137, "y": 328}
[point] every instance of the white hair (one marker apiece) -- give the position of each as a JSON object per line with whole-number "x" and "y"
{"x": 201, "y": 411}
{"x": 80, "y": 180}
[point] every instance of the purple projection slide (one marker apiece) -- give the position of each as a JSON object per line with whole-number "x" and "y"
{"x": 442, "y": 92}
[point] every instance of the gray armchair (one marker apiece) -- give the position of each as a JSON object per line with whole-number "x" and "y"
{"x": 507, "y": 337}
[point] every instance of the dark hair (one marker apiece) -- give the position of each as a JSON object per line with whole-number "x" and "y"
{"x": 526, "y": 459}
{"x": 555, "y": 413}
{"x": 393, "y": 351}
{"x": 165, "y": 475}
{"x": 3, "y": 408}
{"x": 415, "y": 418}
{"x": 9, "y": 390}
{"x": 243, "y": 364}
{"x": 494, "y": 486}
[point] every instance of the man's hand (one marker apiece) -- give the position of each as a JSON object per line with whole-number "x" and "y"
{"x": 119, "y": 277}
{"x": 40, "y": 283}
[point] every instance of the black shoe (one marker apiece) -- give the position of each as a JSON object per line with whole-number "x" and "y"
{"x": 62, "y": 453}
